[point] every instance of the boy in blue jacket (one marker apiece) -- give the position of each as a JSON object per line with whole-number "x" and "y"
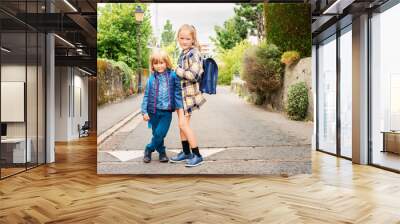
{"x": 162, "y": 96}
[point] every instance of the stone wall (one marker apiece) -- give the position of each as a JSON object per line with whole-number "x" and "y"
{"x": 110, "y": 87}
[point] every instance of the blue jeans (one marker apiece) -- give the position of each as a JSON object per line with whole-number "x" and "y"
{"x": 160, "y": 122}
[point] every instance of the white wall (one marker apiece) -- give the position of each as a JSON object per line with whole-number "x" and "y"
{"x": 33, "y": 126}
{"x": 70, "y": 83}
{"x": 12, "y": 101}
{"x": 12, "y": 73}
{"x": 61, "y": 103}
{"x": 80, "y": 89}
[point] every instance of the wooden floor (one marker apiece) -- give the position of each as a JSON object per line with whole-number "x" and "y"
{"x": 387, "y": 159}
{"x": 69, "y": 191}
{"x": 5, "y": 172}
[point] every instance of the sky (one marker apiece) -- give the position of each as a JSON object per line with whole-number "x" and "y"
{"x": 204, "y": 16}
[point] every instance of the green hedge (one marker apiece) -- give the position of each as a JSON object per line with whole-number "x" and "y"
{"x": 297, "y": 101}
{"x": 288, "y": 26}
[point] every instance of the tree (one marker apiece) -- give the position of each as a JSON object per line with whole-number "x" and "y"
{"x": 118, "y": 34}
{"x": 232, "y": 32}
{"x": 252, "y": 15}
{"x": 288, "y": 26}
{"x": 173, "y": 51}
{"x": 168, "y": 35}
{"x": 168, "y": 42}
{"x": 248, "y": 19}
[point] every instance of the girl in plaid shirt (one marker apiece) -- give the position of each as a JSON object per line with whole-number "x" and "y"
{"x": 190, "y": 69}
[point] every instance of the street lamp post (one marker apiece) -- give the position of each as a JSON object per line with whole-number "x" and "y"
{"x": 139, "y": 18}
{"x": 140, "y": 64}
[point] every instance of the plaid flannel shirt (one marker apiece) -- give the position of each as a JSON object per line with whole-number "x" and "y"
{"x": 190, "y": 69}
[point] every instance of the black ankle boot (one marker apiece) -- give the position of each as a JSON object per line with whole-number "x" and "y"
{"x": 147, "y": 157}
{"x": 163, "y": 157}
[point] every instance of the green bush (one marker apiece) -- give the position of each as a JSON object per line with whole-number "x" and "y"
{"x": 288, "y": 26}
{"x": 290, "y": 57}
{"x": 297, "y": 101}
{"x": 262, "y": 70}
{"x": 230, "y": 62}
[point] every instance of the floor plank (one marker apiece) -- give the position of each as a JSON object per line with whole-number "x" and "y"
{"x": 70, "y": 191}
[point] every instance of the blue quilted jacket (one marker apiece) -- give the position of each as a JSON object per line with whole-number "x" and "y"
{"x": 151, "y": 96}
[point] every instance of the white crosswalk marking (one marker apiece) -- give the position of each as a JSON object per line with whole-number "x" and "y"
{"x": 124, "y": 156}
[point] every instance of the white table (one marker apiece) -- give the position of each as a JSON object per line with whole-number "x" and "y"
{"x": 18, "y": 153}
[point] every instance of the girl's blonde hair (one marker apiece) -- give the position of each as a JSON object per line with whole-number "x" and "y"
{"x": 158, "y": 56}
{"x": 193, "y": 32}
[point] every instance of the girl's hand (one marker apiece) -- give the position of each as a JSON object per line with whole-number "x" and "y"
{"x": 146, "y": 117}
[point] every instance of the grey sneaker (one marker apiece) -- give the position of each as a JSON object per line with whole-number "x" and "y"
{"x": 195, "y": 161}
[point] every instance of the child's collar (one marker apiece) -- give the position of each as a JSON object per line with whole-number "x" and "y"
{"x": 163, "y": 73}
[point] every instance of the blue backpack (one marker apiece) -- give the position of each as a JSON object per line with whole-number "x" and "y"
{"x": 208, "y": 81}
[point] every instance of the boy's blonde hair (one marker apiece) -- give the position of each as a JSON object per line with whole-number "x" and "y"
{"x": 160, "y": 55}
{"x": 193, "y": 32}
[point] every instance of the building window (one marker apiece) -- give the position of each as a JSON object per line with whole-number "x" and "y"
{"x": 327, "y": 95}
{"x": 385, "y": 89}
{"x": 346, "y": 75}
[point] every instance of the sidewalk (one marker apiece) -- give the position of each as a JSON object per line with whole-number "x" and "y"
{"x": 110, "y": 114}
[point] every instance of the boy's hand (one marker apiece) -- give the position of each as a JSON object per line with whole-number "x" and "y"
{"x": 146, "y": 117}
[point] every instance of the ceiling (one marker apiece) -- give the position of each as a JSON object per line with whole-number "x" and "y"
{"x": 330, "y": 15}
{"x": 74, "y": 22}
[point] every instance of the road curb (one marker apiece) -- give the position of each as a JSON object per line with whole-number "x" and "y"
{"x": 103, "y": 136}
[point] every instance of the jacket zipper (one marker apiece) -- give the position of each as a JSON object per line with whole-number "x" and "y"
{"x": 155, "y": 96}
{"x": 169, "y": 92}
